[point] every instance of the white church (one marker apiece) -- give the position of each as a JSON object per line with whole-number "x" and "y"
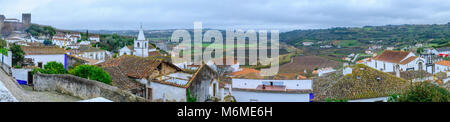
{"x": 140, "y": 47}
{"x": 393, "y": 61}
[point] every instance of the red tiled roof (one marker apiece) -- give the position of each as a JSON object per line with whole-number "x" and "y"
{"x": 154, "y": 53}
{"x": 134, "y": 66}
{"x": 444, "y": 63}
{"x": 246, "y": 71}
{"x": 412, "y": 58}
{"x": 42, "y": 50}
{"x": 392, "y": 56}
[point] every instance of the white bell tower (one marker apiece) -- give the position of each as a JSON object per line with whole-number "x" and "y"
{"x": 141, "y": 45}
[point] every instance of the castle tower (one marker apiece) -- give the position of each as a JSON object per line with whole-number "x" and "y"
{"x": 26, "y": 19}
{"x": 2, "y": 18}
{"x": 141, "y": 45}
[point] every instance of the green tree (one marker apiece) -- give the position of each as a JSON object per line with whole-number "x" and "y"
{"x": 422, "y": 92}
{"x": 189, "y": 97}
{"x": 52, "y": 67}
{"x": 91, "y": 72}
{"x": 49, "y": 31}
{"x": 420, "y": 50}
{"x": 18, "y": 54}
{"x": 2, "y": 43}
{"x": 47, "y": 42}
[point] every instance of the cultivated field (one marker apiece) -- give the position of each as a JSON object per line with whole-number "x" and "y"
{"x": 300, "y": 63}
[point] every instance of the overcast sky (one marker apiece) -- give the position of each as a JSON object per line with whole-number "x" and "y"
{"x": 222, "y": 14}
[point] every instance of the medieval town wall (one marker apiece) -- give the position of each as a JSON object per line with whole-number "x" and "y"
{"x": 80, "y": 87}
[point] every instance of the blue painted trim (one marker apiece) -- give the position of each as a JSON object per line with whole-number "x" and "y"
{"x": 22, "y": 82}
{"x": 65, "y": 61}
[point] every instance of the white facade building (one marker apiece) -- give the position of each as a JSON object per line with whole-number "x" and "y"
{"x": 61, "y": 42}
{"x": 442, "y": 66}
{"x": 95, "y": 38}
{"x": 41, "y": 55}
{"x": 125, "y": 51}
{"x": 256, "y": 90}
{"x": 390, "y": 61}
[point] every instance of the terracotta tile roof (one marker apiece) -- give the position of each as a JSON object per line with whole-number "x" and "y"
{"x": 286, "y": 76}
{"x": 246, "y": 71}
{"x": 42, "y": 50}
{"x": 169, "y": 83}
{"x": 203, "y": 67}
{"x": 412, "y": 58}
{"x": 134, "y": 66}
{"x": 301, "y": 77}
{"x": 120, "y": 80}
{"x": 154, "y": 53}
{"x": 444, "y": 63}
{"x": 392, "y": 56}
{"x": 89, "y": 49}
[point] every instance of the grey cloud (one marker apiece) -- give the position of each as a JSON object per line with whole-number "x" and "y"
{"x": 259, "y": 14}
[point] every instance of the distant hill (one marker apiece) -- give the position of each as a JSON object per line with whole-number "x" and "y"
{"x": 388, "y": 33}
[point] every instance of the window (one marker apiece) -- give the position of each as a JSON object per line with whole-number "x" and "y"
{"x": 40, "y": 64}
{"x": 138, "y": 45}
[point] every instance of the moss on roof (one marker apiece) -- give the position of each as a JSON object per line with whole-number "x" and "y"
{"x": 362, "y": 83}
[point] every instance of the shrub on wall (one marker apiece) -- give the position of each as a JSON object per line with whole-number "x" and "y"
{"x": 52, "y": 67}
{"x": 91, "y": 72}
{"x": 423, "y": 92}
{"x": 17, "y": 54}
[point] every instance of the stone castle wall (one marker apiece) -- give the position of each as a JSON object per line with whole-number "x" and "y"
{"x": 83, "y": 88}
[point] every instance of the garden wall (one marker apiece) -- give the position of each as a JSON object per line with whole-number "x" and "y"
{"x": 83, "y": 88}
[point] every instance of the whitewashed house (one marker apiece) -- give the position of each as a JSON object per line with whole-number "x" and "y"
{"x": 390, "y": 61}
{"x": 74, "y": 38}
{"x": 41, "y": 55}
{"x": 165, "y": 82}
{"x": 95, "y": 38}
{"x": 174, "y": 87}
{"x": 323, "y": 71}
{"x": 91, "y": 53}
{"x": 126, "y": 51}
{"x": 308, "y": 43}
{"x": 13, "y": 40}
{"x": 258, "y": 90}
{"x": 61, "y": 42}
{"x": 442, "y": 66}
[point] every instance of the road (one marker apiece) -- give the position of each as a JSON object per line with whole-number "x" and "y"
{"x": 25, "y": 95}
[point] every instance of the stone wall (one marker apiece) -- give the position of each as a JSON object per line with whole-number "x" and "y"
{"x": 83, "y": 88}
{"x": 7, "y": 69}
{"x": 200, "y": 84}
